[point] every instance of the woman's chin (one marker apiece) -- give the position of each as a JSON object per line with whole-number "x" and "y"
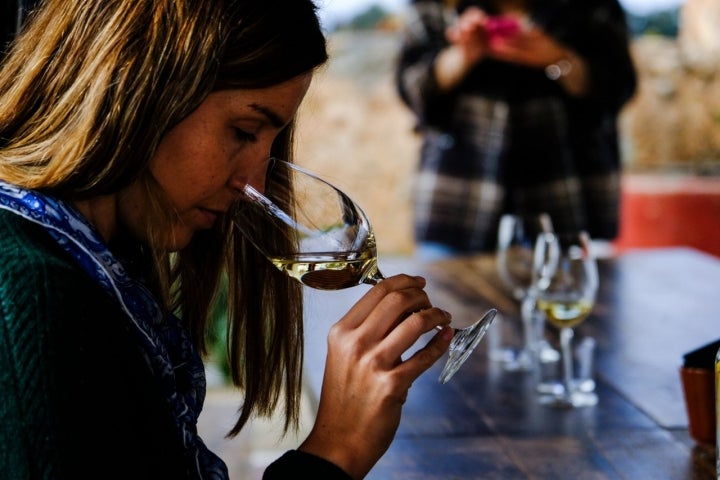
{"x": 179, "y": 239}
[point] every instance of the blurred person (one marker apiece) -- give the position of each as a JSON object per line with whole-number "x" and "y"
{"x": 517, "y": 104}
{"x": 127, "y": 130}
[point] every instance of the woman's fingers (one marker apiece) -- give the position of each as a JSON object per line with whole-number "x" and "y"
{"x": 397, "y": 293}
{"x": 387, "y": 321}
{"x": 425, "y": 357}
{"x": 407, "y": 332}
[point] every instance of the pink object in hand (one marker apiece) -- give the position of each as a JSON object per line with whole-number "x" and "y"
{"x": 501, "y": 26}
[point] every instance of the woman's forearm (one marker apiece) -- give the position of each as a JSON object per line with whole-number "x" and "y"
{"x": 450, "y": 68}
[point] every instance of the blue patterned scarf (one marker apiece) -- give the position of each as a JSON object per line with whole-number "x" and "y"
{"x": 166, "y": 345}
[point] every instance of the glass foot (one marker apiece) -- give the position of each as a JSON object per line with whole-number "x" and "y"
{"x": 523, "y": 362}
{"x": 546, "y": 353}
{"x": 556, "y": 388}
{"x": 586, "y": 385}
{"x": 464, "y": 343}
{"x": 575, "y": 399}
{"x": 512, "y": 360}
{"x": 550, "y": 388}
{"x": 502, "y": 355}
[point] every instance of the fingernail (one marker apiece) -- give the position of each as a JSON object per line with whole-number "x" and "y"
{"x": 448, "y": 333}
{"x": 447, "y": 314}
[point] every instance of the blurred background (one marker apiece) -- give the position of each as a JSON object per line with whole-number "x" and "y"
{"x": 354, "y": 130}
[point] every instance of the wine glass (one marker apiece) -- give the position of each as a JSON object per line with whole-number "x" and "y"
{"x": 566, "y": 283}
{"x": 515, "y": 246}
{"x": 324, "y": 240}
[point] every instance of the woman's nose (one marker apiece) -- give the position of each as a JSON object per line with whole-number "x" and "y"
{"x": 254, "y": 176}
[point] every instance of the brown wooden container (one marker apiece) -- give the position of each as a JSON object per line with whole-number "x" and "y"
{"x": 699, "y": 391}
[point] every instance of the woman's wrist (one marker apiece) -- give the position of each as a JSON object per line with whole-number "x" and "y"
{"x": 349, "y": 460}
{"x": 559, "y": 69}
{"x": 450, "y": 67}
{"x": 295, "y": 461}
{"x": 570, "y": 71}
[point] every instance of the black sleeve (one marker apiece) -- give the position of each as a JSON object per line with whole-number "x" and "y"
{"x": 597, "y": 30}
{"x": 422, "y": 40}
{"x": 295, "y": 463}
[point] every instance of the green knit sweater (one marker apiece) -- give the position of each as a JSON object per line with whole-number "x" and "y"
{"x": 76, "y": 397}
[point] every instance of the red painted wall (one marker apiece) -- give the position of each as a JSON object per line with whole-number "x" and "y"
{"x": 667, "y": 210}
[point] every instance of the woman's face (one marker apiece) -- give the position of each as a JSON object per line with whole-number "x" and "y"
{"x": 205, "y": 159}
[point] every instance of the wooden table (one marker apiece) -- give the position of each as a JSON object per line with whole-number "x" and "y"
{"x": 653, "y": 306}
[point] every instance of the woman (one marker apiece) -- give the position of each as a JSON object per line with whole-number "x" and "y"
{"x": 126, "y": 132}
{"x": 517, "y": 102}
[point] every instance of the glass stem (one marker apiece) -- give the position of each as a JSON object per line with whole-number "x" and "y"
{"x": 527, "y": 309}
{"x": 374, "y": 277}
{"x": 566, "y": 336}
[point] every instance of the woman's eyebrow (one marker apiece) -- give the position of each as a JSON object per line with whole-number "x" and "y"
{"x": 275, "y": 119}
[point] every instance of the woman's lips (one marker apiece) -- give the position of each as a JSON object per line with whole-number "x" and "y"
{"x": 208, "y": 217}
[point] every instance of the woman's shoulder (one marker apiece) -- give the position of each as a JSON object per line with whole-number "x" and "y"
{"x": 70, "y": 360}
{"x": 27, "y": 248}
{"x": 35, "y": 273}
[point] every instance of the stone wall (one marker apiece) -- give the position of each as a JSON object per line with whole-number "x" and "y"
{"x": 673, "y": 123}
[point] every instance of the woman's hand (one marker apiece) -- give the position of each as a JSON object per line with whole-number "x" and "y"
{"x": 468, "y": 46}
{"x": 532, "y": 47}
{"x": 468, "y": 34}
{"x": 366, "y": 382}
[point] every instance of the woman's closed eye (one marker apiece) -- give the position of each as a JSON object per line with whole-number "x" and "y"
{"x": 244, "y": 136}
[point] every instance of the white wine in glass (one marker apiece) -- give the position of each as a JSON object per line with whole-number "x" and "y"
{"x": 329, "y": 271}
{"x": 566, "y": 283}
{"x": 324, "y": 240}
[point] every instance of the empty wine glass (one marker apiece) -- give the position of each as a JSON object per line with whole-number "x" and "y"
{"x": 566, "y": 283}
{"x": 324, "y": 240}
{"x": 515, "y": 246}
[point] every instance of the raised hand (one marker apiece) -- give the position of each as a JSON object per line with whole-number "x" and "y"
{"x": 366, "y": 381}
{"x": 529, "y": 46}
{"x": 468, "y": 34}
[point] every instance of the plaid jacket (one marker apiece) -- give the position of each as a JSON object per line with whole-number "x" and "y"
{"x": 509, "y": 138}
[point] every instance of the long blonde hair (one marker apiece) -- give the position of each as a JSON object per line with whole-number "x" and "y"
{"x": 87, "y": 92}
